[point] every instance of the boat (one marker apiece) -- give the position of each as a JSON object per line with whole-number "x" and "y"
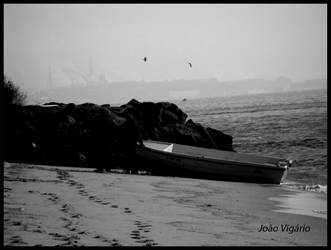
{"x": 191, "y": 161}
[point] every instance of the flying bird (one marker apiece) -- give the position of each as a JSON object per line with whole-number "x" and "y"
{"x": 190, "y": 64}
{"x": 145, "y": 59}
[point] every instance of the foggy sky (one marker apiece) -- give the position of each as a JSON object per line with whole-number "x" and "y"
{"x": 220, "y": 40}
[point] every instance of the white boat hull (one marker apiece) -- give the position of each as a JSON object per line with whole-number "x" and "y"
{"x": 214, "y": 166}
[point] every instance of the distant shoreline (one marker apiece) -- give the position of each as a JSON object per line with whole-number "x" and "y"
{"x": 176, "y": 90}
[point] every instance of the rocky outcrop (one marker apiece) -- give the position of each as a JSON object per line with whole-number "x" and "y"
{"x": 99, "y": 135}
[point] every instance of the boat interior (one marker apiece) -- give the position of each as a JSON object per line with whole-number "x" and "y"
{"x": 210, "y": 153}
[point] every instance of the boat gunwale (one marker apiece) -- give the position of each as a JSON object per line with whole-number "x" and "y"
{"x": 255, "y": 165}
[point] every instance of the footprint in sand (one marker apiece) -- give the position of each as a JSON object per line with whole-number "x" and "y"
{"x": 57, "y": 236}
{"x": 70, "y": 240}
{"x": 64, "y": 218}
{"x": 147, "y": 241}
{"x": 75, "y": 216}
{"x": 150, "y": 243}
{"x": 115, "y": 244}
{"x": 68, "y": 225}
{"x": 83, "y": 193}
{"x": 38, "y": 231}
{"x": 65, "y": 208}
{"x": 17, "y": 223}
{"x": 79, "y": 185}
{"x": 92, "y": 197}
{"x": 142, "y": 239}
{"x": 135, "y": 234}
{"x": 143, "y": 226}
{"x": 52, "y": 197}
{"x": 127, "y": 210}
{"x": 62, "y": 175}
{"x": 17, "y": 240}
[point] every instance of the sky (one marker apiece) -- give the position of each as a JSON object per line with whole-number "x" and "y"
{"x": 60, "y": 42}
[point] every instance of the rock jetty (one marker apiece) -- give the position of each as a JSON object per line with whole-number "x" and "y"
{"x": 89, "y": 134}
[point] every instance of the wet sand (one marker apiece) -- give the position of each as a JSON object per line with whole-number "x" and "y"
{"x": 61, "y": 206}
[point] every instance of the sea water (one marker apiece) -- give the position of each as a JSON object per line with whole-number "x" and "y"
{"x": 290, "y": 125}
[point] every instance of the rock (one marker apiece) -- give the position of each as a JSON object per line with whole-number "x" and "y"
{"x": 162, "y": 112}
{"x": 132, "y": 108}
{"x": 88, "y": 134}
{"x": 223, "y": 141}
{"x": 67, "y": 124}
{"x": 172, "y": 113}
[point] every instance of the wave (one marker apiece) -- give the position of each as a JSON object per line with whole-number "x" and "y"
{"x": 256, "y": 108}
{"x": 311, "y": 187}
{"x": 307, "y": 142}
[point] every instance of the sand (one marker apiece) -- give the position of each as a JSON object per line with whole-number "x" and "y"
{"x": 61, "y": 206}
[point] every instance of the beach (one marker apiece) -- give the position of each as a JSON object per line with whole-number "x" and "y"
{"x": 70, "y": 206}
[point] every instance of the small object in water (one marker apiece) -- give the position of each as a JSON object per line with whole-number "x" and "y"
{"x": 145, "y": 59}
{"x": 184, "y": 100}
